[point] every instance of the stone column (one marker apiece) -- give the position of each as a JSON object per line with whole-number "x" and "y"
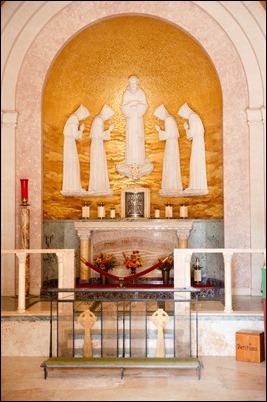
{"x": 9, "y": 120}
{"x": 183, "y": 236}
{"x": 85, "y": 252}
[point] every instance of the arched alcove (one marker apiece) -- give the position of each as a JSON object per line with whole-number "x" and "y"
{"x": 93, "y": 69}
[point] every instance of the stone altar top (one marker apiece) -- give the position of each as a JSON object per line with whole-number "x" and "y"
{"x": 85, "y": 226}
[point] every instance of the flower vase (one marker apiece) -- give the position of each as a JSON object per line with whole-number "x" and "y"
{"x": 165, "y": 277}
{"x": 133, "y": 272}
{"x": 103, "y": 279}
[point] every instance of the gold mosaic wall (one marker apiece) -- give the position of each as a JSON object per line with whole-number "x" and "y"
{"x": 93, "y": 69}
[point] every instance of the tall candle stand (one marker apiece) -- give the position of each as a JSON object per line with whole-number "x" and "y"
{"x": 25, "y": 230}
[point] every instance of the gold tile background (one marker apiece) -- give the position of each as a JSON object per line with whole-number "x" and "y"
{"x": 93, "y": 69}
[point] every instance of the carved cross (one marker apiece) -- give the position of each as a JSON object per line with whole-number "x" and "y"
{"x": 160, "y": 318}
{"x": 87, "y": 320}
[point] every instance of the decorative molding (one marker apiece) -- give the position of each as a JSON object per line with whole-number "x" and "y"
{"x": 254, "y": 115}
{"x": 180, "y": 225}
{"x": 9, "y": 119}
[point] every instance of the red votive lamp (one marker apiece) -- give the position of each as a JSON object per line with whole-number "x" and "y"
{"x": 24, "y": 191}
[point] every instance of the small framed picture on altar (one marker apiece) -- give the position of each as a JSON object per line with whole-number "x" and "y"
{"x": 135, "y": 203}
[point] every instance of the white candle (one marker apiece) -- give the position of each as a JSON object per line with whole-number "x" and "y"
{"x": 197, "y": 275}
{"x": 112, "y": 213}
{"x": 85, "y": 211}
{"x": 168, "y": 211}
{"x": 101, "y": 211}
{"x": 183, "y": 211}
{"x": 157, "y": 213}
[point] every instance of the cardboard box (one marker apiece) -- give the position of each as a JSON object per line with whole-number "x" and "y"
{"x": 250, "y": 346}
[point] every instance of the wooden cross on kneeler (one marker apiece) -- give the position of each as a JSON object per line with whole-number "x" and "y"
{"x": 87, "y": 319}
{"x": 160, "y": 318}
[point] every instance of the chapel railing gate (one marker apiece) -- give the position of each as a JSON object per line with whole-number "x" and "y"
{"x": 120, "y": 322}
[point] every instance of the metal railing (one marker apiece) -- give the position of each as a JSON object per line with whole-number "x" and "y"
{"x": 120, "y": 322}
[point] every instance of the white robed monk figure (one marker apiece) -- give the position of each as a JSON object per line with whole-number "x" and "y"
{"x": 195, "y": 132}
{"x": 171, "y": 184}
{"x": 73, "y": 132}
{"x": 134, "y": 106}
{"x": 98, "y": 175}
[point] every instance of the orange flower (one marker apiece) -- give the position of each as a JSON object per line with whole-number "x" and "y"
{"x": 105, "y": 261}
{"x": 134, "y": 261}
{"x": 166, "y": 263}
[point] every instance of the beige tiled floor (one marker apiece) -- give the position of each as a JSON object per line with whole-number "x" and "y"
{"x": 222, "y": 379}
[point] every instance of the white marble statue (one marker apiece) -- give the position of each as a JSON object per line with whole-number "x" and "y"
{"x": 134, "y": 106}
{"x": 99, "y": 180}
{"x": 73, "y": 132}
{"x": 195, "y": 133}
{"x": 171, "y": 185}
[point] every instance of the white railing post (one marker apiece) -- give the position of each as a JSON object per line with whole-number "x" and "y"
{"x": 227, "y": 256}
{"x": 21, "y": 291}
{"x": 182, "y": 269}
{"x": 60, "y": 258}
{"x": 188, "y": 257}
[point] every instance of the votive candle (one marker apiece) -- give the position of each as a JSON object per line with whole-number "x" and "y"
{"x": 157, "y": 213}
{"x": 168, "y": 211}
{"x": 197, "y": 275}
{"x": 183, "y": 211}
{"x": 85, "y": 211}
{"x": 101, "y": 211}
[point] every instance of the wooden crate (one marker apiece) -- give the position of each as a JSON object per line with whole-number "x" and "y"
{"x": 250, "y": 346}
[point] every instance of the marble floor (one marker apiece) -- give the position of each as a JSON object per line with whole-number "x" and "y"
{"x": 222, "y": 379}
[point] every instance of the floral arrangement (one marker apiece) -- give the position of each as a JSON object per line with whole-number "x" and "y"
{"x": 133, "y": 262}
{"x": 105, "y": 261}
{"x": 166, "y": 263}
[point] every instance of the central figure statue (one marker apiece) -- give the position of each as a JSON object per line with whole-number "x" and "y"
{"x": 134, "y": 106}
